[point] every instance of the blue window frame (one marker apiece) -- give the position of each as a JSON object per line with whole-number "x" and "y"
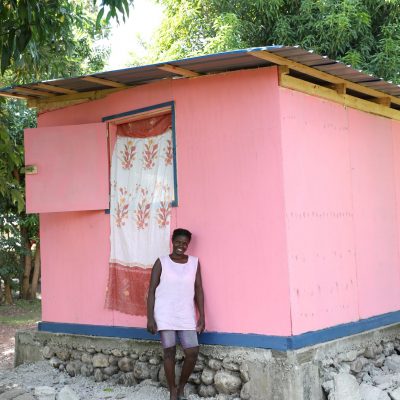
{"x": 168, "y": 106}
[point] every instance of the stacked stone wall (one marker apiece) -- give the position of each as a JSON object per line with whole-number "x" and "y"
{"x": 366, "y": 372}
{"x": 219, "y": 371}
{"x": 359, "y": 367}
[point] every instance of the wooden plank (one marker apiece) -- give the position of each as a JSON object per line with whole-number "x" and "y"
{"x": 147, "y": 114}
{"x": 283, "y": 69}
{"x": 49, "y": 103}
{"x": 104, "y": 82}
{"x": 41, "y": 108}
{"x": 346, "y": 100}
{"x": 52, "y": 88}
{"x": 179, "y": 71}
{"x": 275, "y": 59}
{"x": 32, "y": 91}
{"x": 14, "y": 96}
{"x": 340, "y": 88}
{"x": 385, "y": 101}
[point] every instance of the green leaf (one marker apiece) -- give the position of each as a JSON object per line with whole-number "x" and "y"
{"x": 99, "y": 17}
{"x": 23, "y": 39}
{"x": 18, "y": 199}
{"x": 5, "y": 58}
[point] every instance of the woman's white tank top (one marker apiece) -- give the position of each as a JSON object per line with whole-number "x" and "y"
{"x": 174, "y": 301}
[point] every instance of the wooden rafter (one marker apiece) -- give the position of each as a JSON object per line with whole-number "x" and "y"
{"x": 385, "y": 101}
{"x": 52, "y": 88}
{"x": 56, "y": 102}
{"x": 33, "y": 92}
{"x": 187, "y": 73}
{"x": 104, "y": 82}
{"x": 283, "y": 69}
{"x": 347, "y": 100}
{"x": 324, "y": 76}
{"x": 14, "y": 96}
{"x": 340, "y": 88}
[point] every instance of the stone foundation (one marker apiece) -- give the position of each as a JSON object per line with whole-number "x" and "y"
{"x": 346, "y": 369}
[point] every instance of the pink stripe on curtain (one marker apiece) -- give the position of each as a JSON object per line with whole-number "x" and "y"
{"x": 127, "y": 289}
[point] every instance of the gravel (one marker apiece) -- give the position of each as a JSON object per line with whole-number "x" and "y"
{"x": 29, "y": 376}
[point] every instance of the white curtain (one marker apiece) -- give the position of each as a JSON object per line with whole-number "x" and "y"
{"x": 142, "y": 188}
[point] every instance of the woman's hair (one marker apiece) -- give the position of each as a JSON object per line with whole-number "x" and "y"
{"x": 181, "y": 232}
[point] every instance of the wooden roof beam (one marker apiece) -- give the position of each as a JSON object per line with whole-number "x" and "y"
{"x": 61, "y": 101}
{"x": 104, "y": 82}
{"x": 40, "y": 93}
{"x": 340, "y": 88}
{"x": 52, "y": 88}
{"x": 187, "y": 73}
{"x": 385, "y": 101}
{"x": 276, "y": 59}
{"x": 346, "y": 100}
{"x": 14, "y": 96}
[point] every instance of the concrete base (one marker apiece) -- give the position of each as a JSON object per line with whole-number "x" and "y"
{"x": 265, "y": 374}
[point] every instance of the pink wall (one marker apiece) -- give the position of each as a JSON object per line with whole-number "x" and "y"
{"x": 230, "y": 195}
{"x": 73, "y": 273}
{"x": 294, "y": 202}
{"x": 342, "y": 214}
{"x": 373, "y": 165}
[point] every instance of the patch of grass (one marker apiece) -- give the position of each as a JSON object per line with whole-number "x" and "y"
{"x": 22, "y": 312}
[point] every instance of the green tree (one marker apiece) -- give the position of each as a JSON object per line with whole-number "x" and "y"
{"x": 18, "y": 231}
{"x": 38, "y": 40}
{"x": 363, "y": 33}
{"x": 32, "y": 33}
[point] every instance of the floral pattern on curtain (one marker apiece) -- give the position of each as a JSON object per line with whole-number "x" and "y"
{"x": 142, "y": 189}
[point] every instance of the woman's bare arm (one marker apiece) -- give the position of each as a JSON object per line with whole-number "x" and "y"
{"x": 199, "y": 298}
{"x": 154, "y": 282}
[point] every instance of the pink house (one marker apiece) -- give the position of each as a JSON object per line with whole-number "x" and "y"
{"x": 287, "y": 171}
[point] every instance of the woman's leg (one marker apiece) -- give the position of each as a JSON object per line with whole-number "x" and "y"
{"x": 168, "y": 341}
{"x": 190, "y": 346}
{"x": 187, "y": 368}
{"x": 169, "y": 368}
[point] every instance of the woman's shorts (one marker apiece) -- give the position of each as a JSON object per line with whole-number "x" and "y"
{"x": 187, "y": 339}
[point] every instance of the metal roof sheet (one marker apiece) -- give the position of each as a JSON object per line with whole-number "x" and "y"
{"x": 212, "y": 63}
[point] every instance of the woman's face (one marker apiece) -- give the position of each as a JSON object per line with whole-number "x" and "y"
{"x": 180, "y": 245}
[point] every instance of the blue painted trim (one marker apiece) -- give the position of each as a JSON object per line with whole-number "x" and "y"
{"x": 217, "y": 338}
{"x": 244, "y": 340}
{"x": 282, "y": 343}
{"x": 97, "y": 330}
{"x": 107, "y": 211}
{"x": 138, "y": 111}
{"x": 342, "y": 330}
{"x": 170, "y": 104}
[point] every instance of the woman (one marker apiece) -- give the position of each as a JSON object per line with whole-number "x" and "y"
{"x": 174, "y": 287}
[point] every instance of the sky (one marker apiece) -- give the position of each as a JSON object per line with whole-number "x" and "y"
{"x": 143, "y": 20}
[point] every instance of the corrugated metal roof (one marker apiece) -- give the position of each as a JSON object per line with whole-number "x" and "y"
{"x": 212, "y": 63}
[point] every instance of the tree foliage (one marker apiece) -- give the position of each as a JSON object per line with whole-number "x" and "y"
{"x": 363, "y": 33}
{"x": 35, "y": 33}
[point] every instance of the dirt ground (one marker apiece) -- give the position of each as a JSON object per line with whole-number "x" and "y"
{"x": 7, "y": 342}
{"x": 22, "y": 314}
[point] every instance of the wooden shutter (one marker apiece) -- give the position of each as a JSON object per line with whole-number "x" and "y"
{"x": 72, "y": 168}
